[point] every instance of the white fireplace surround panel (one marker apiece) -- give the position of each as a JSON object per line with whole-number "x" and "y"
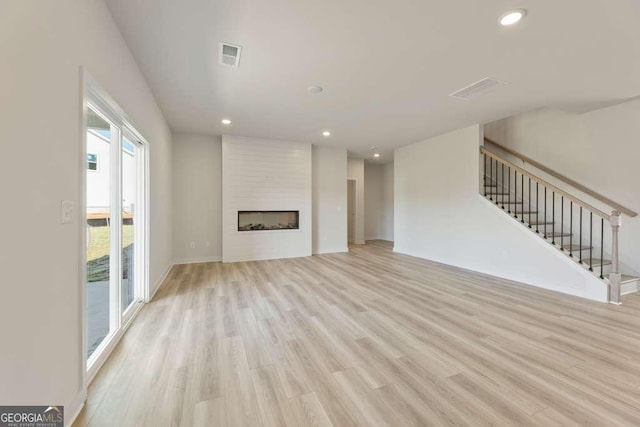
{"x": 265, "y": 175}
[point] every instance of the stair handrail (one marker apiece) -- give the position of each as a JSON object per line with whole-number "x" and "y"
{"x": 569, "y": 181}
{"x": 547, "y": 184}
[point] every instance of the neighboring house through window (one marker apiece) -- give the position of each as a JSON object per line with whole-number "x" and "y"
{"x": 92, "y": 162}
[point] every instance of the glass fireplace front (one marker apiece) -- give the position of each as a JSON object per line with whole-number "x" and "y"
{"x": 268, "y": 220}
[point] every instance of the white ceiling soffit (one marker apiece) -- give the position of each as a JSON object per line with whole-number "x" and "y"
{"x": 387, "y": 68}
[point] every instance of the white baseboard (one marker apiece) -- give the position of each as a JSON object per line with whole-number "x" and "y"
{"x": 160, "y": 281}
{"x": 267, "y": 258}
{"x": 332, "y": 251}
{"x": 72, "y": 410}
{"x": 197, "y": 260}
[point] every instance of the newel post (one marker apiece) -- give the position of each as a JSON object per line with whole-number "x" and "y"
{"x": 615, "y": 277}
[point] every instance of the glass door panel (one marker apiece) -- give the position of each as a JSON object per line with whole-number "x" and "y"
{"x": 98, "y": 218}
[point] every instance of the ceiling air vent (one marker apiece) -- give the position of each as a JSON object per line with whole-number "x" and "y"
{"x": 229, "y": 54}
{"x": 476, "y": 89}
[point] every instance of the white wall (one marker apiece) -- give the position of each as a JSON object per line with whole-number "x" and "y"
{"x": 373, "y": 209}
{"x": 197, "y": 198}
{"x": 355, "y": 170}
{"x": 378, "y": 201}
{"x": 43, "y": 45}
{"x": 600, "y": 150}
{"x": 329, "y": 199}
{"x": 260, "y": 174}
{"x": 440, "y": 215}
{"x": 387, "y": 202}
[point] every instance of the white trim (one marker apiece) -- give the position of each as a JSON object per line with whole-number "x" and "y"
{"x": 115, "y": 234}
{"x": 72, "y": 410}
{"x": 265, "y": 258}
{"x": 197, "y": 260}
{"x": 629, "y": 287}
{"x": 160, "y": 281}
{"x": 82, "y": 261}
{"x": 146, "y": 291}
{"x": 103, "y": 101}
{"x": 332, "y": 251}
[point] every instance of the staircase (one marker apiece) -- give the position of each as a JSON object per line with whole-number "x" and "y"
{"x": 571, "y": 225}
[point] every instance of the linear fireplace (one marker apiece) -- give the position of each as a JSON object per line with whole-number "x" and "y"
{"x": 268, "y": 220}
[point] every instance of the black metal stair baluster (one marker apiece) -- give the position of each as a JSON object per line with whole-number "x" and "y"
{"x": 602, "y": 248}
{"x": 571, "y": 229}
{"x": 484, "y": 172}
{"x": 522, "y": 192}
{"x": 491, "y": 177}
{"x": 553, "y": 218}
{"x": 529, "y": 202}
{"x": 590, "y": 241}
{"x": 515, "y": 193}
{"x": 496, "y": 182}
{"x": 537, "y": 210}
{"x": 544, "y": 223}
{"x": 509, "y": 189}
{"x": 562, "y": 223}
{"x": 580, "y": 242}
{"x": 502, "y": 187}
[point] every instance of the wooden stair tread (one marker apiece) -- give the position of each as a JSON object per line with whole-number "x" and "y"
{"x": 557, "y": 234}
{"x": 627, "y": 278}
{"x": 541, "y": 223}
{"x": 576, "y": 248}
{"x": 595, "y": 262}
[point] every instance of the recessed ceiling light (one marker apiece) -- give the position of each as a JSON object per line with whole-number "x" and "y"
{"x": 226, "y": 122}
{"x": 326, "y": 133}
{"x": 376, "y": 155}
{"x": 315, "y": 89}
{"x": 512, "y": 17}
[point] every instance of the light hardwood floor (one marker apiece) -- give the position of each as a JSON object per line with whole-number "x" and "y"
{"x": 367, "y": 338}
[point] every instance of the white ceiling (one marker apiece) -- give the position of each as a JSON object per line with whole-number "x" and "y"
{"x": 387, "y": 66}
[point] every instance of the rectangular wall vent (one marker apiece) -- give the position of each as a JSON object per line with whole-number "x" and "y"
{"x": 229, "y": 54}
{"x": 476, "y": 88}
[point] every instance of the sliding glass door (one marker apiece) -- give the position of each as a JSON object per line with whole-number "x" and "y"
{"x": 115, "y": 206}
